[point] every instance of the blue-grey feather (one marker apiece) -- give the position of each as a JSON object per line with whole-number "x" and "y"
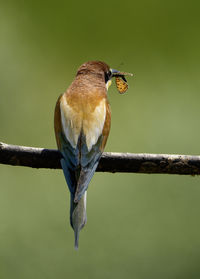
{"x": 79, "y": 164}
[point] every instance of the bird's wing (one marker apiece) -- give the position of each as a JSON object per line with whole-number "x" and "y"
{"x": 90, "y": 155}
{"x": 81, "y": 140}
{"x": 70, "y": 163}
{"x": 70, "y": 159}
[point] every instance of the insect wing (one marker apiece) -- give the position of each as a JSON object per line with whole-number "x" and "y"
{"x": 122, "y": 86}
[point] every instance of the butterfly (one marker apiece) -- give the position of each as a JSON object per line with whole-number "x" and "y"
{"x": 121, "y": 83}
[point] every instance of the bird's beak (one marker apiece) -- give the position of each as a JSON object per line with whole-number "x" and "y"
{"x": 118, "y": 73}
{"x": 114, "y": 72}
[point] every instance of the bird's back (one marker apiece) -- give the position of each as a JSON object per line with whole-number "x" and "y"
{"x": 83, "y": 109}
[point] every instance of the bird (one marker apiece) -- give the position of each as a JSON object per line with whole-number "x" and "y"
{"x": 82, "y": 122}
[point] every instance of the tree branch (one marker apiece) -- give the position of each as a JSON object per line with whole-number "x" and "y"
{"x": 110, "y": 162}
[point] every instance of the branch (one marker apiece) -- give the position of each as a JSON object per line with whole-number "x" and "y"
{"x": 110, "y": 162}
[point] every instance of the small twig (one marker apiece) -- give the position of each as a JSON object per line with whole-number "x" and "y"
{"x": 110, "y": 162}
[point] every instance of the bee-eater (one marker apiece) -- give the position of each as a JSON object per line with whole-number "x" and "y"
{"x": 82, "y": 124}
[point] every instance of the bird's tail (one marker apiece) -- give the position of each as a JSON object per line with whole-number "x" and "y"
{"x": 78, "y": 216}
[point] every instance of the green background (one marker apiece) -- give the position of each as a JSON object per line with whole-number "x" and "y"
{"x": 139, "y": 226}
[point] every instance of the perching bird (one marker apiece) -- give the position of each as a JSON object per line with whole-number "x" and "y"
{"x": 82, "y": 124}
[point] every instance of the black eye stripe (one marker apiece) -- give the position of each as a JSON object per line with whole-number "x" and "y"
{"x": 107, "y": 76}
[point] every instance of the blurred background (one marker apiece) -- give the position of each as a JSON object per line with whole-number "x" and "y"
{"x": 139, "y": 226}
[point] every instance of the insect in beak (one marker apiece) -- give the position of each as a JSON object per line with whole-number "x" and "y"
{"x": 120, "y": 80}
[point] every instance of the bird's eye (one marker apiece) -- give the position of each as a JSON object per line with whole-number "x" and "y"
{"x": 107, "y": 76}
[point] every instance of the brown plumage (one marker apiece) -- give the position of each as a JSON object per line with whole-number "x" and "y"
{"x": 82, "y": 125}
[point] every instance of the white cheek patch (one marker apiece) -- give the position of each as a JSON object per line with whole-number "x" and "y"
{"x": 71, "y": 123}
{"x": 93, "y": 125}
{"x": 108, "y": 83}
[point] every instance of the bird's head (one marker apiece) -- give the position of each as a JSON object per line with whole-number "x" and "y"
{"x": 100, "y": 70}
